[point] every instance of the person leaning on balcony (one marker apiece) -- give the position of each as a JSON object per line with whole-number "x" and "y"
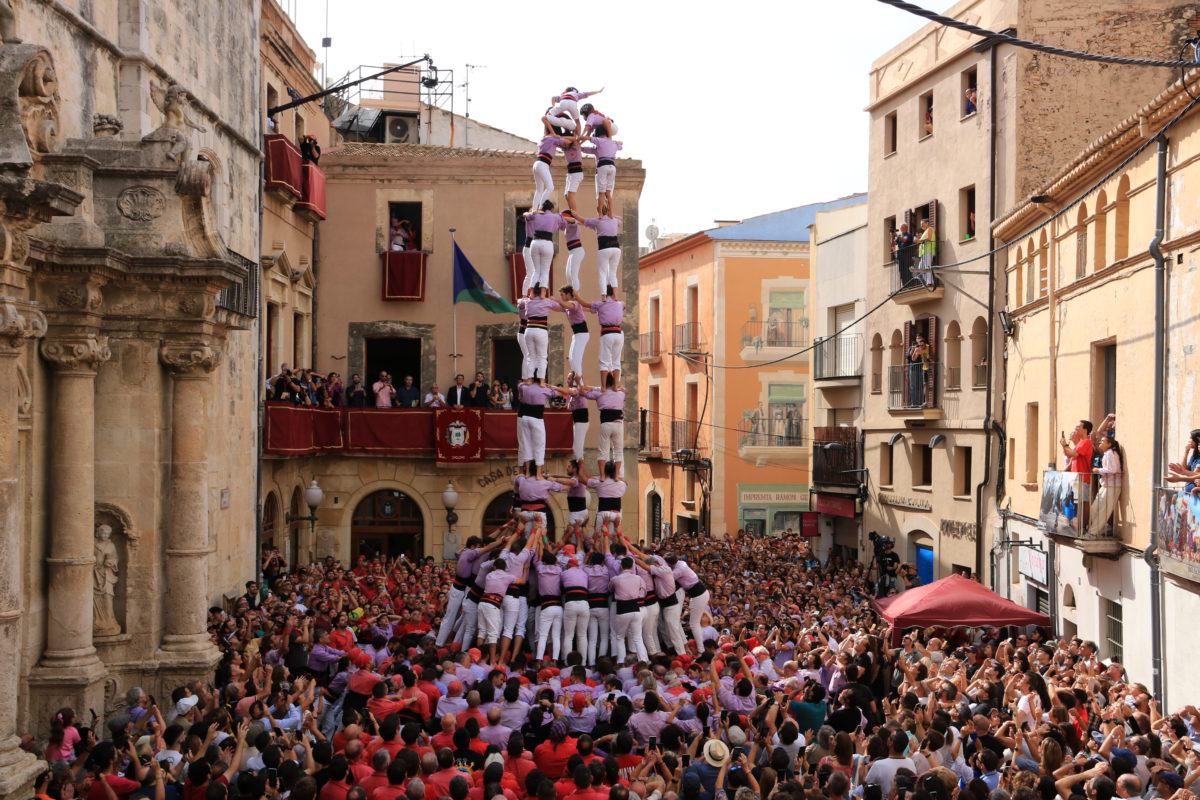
{"x": 903, "y": 241}
{"x": 1187, "y": 470}
{"x": 926, "y": 250}
{"x": 408, "y": 395}
{"x": 1112, "y": 466}
{"x": 1078, "y": 450}
{"x": 356, "y": 393}
{"x": 918, "y": 371}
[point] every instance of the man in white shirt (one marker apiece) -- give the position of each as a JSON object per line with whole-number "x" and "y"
{"x": 883, "y": 771}
{"x": 435, "y": 399}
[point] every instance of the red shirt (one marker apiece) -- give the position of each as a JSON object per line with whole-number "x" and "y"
{"x": 552, "y": 759}
{"x": 334, "y": 790}
{"x": 388, "y": 792}
{"x": 342, "y": 639}
{"x": 392, "y": 747}
{"x": 466, "y": 714}
{"x": 1082, "y": 460}
{"x": 122, "y": 786}
{"x": 373, "y": 782}
{"x": 519, "y": 767}
{"x": 443, "y": 739}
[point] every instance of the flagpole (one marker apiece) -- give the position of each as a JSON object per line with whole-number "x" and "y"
{"x": 454, "y": 355}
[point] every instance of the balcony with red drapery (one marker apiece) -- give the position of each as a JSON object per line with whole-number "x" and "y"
{"x": 403, "y": 275}
{"x": 284, "y": 165}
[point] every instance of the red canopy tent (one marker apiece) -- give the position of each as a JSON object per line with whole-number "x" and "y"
{"x": 952, "y": 602}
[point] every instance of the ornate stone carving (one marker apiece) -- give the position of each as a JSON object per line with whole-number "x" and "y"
{"x": 189, "y": 359}
{"x": 141, "y": 203}
{"x": 8, "y": 24}
{"x": 39, "y": 104}
{"x": 19, "y": 321}
{"x": 172, "y": 100}
{"x": 77, "y": 353}
{"x": 106, "y": 125}
{"x": 24, "y": 393}
{"x": 71, "y": 297}
{"x": 105, "y": 574}
{"x": 191, "y": 306}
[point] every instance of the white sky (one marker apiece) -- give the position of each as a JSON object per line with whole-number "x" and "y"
{"x": 735, "y": 109}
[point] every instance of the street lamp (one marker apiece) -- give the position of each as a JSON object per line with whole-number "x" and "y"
{"x": 313, "y": 496}
{"x": 450, "y": 500}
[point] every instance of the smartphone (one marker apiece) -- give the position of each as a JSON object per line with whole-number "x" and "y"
{"x": 653, "y": 743}
{"x": 724, "y": 716}
{"x": 686, "y": 760}
{"x": 272, "y": 775}
{"x": 872, "y": 791}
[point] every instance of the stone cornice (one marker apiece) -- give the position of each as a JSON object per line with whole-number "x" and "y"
{"x": 78, "y": 353}
{"x": 19, "y": 321}
{"x": 189, "y": 359}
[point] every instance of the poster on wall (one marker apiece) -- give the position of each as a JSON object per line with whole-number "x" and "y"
{"x": 1059, "y": 512}
{"x": 1178, "y": 536}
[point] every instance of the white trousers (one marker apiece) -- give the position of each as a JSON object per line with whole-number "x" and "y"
{"x": 527, "y": 257}
{"x": 561, "y": 117}
{"x": 574, "y": 262}
{"x": 580, "y": 433}
{"x": 543, "y": 184}
{"x": 628, "y": 626}
{"x": 489, "y": 623}
{"x": 610, "y": 518}
{"x": 532, "y": 521}
{"x": 574, "y": 181}
{"x": 697, "y": 608}
{"x": 577, "y": 517}
{"x": 515, "y": 616}
{"x": 542, "y": 252}
{"x": 575, "y": 626}
{"x": 650, "y": 629}
{"x": 453, "y": 604}
{"x": 1103, "y": 508}
{"x": 470, "y": 621}
{"x": 606, "y": 178}
{"x": 579, "y": 343}
{"x": 523, "y": 452}
{"x": 549, "y": 631}
{"x": 597, "y": 633}
{"x": 673, "y": 628}
{"x": 524, "y": 356}
{"x": 537, "y": 346}
{"x": 611, "y": 345}
{"x": 566, "y": 107}
{"x": 612, "y": 442}
{"x": 608, "y": 268}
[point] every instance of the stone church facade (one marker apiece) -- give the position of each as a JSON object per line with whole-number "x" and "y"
{"x": 129, "y": 234}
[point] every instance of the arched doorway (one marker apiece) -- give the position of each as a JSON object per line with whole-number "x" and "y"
{"x": 387, "y": 524}
{"x": 291, "y": 545}
{"x": 654, "y": 517}
{"x": 498, "y": 511}
{"x": 270, "y": 520}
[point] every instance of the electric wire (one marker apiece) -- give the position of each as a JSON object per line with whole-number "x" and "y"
{"x": 951, "y": 22}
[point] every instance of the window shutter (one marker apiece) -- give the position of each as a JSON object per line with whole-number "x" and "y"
{"x": 907, "y": 339}
{"x": 908, "y": 220}
{"x": 931, "y": 376}
{"x": 933, "y": 215}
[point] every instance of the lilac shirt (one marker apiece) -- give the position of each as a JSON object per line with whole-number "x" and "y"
{"x": 609, "y": 311}
{"x": 551, "y": 143}
{"x": 546, "y": 222}
{"x": 602, "y": 146}
{"x": 467, "y": 560}
{"x": 628, "y": 586}
{"x": 684, "y": 576}
{"x": 573, "y": 153}
{"x": 574, "y": 577}
{"x": 572, "y": 230}
{"x": 534, "y": 395}
{"x": 497, "y": 582}
{"x": 533, "y": 489}
{"x": 549, "y": 580}
{"x": 541, "y": 307}
{"x": 664, "y": 581}
{"x": 604, "y": 226}
{"x": 609, "y": 399}
{"x": 496, "y": 734}
{"x": 576, "y": 315}
{"x": 598, "y": 578}
{"x": 607, "y": 487}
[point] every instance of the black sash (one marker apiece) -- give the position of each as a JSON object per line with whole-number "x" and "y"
{"x": 579, "y": 415}
{"x": 545, "y": 235}
{"x": 607, "y": 242}
{"x": 573, "y": 593}
{"x": 609, "y": 504}
{"x": 698, "y": 588}
{"x": 628, "y": 606}
{"x": 576, "y": 503}
{"x": 611, "y": 415}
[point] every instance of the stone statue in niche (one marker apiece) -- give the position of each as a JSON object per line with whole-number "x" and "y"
{"x": 105, "y": 574}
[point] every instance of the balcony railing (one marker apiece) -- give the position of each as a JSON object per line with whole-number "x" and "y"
{"x": 687, "y": 437}
{"x": 241, "y": 297}
{"x": 649, "y": 347}
{"x": 912, "y": 387}
{"x": 913, "y": 279}
{"x": 689, "y": 338}
{"x": 835, "y": 457}
{"x": 766, "y": 432}
{"x": 838, "y": 356}
{"x": 312, "y": 201}
{"x": 980, "y": 376}
{"x": 654, "y": 434}
{"x": 773, "y": 333}
{"x": 1066, "y": 511}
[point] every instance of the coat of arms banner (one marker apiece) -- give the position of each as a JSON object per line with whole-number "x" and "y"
{"x": 458, "y": 435}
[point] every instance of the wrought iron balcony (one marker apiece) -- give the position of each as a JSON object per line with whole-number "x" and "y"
{"x": 838, "y": 356}
{"x": 835, "y": 460}
{"x": 688, "y": 439}
{"x": 910, "y": 386}
{"x": 912, "y": 286}
{"x": 650, "y": 347}
{"x": 1065, "y": 513}
{"x": 773, "y": 333}
{"x": 689, "y": 338}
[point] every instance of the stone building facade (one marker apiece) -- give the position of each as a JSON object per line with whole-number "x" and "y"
{"x": 129, "y": 158}
{"x": 387, "y": 501}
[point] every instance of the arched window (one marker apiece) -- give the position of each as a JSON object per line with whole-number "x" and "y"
{"x": 1044, "y": 265}
{"x": 387, "y": 524}
{"x": 1121, "y": 221}
{"x": 897, "y": 348}
{"x": 1100, "y": 246}
{"x": 979, "y": 333}
{"x": 952, "y": 354}
{"x": 1081, "y": 241}
{"x": 1030, "y": 276}
{"x": 896, "y": 383}
{"x": 877, "y": 364}
{"x": 921, "y": 555}
{"x": 1018, "y": 290}
{"x": 269, "y": 520}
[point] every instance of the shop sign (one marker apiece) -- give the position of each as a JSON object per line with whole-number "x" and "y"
{"x": 958, "y": 529}
{"x": 1032, "y": 564}
{"x": 912, "y": 503}
{"x": 781, "y": 498}
{"x": 836, "y": 505}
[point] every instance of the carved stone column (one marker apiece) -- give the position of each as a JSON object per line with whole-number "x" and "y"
{"x": 19, "y": 323}
{"x": 75, "y": 359}
{"x": 187, "y": 540}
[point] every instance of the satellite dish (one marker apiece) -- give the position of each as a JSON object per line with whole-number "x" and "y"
{"x": 652, "y": 232}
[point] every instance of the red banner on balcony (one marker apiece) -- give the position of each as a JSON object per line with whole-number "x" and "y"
{"x": 313, "y": 198}
{"x": 394, "y": 431}
{"x": 403, "y": 275}
{"x": 837, "y": 505}
{"x": 290, "y": 430}
{"x": 283, "y": 164}
{"x": 458, "y": 435}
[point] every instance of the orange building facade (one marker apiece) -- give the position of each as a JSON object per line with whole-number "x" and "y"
{"x": 724, "y": 378}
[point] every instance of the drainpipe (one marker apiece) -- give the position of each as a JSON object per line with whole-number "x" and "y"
{"x": 260, "y": 407}
{"x": 671, "y": 466}
{"x": 1160, "y": 336}
{"x": 991, "y": 313}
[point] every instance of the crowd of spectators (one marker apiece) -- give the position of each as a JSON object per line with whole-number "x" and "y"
{"x": 331, "y": 687}
{"x": 307, "y": 387}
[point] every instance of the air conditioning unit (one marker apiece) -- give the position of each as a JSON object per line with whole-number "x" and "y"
{"x": 402, "y": 129}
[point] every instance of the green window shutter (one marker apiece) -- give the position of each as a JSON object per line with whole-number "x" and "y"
{"x": 791, "y": 299}
{"x": 786, "y": 393}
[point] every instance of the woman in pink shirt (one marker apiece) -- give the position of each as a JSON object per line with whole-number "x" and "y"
{"x": 63, "y": 737}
